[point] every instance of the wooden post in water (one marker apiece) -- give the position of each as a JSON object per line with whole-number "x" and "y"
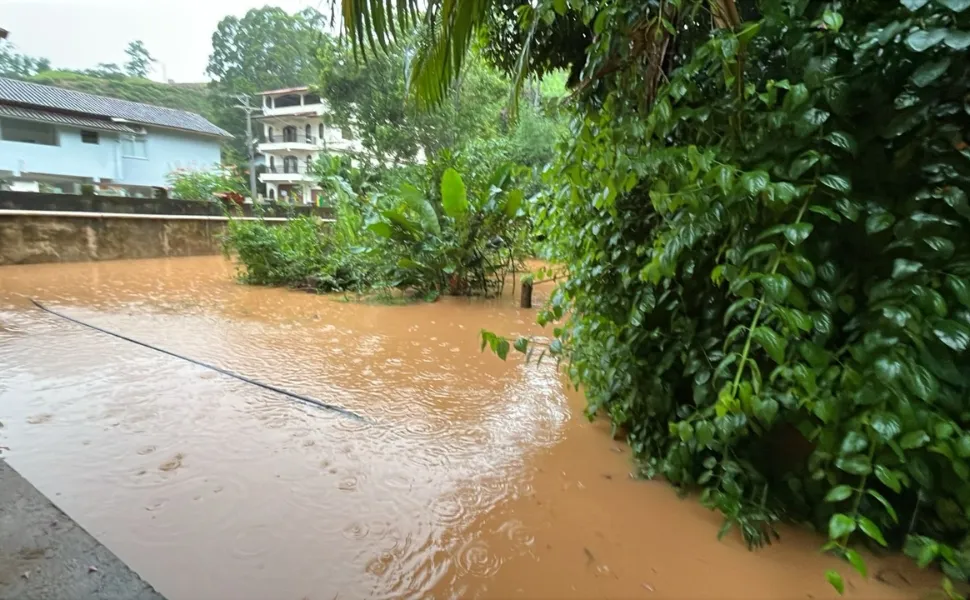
{"x": 525, "y": 298}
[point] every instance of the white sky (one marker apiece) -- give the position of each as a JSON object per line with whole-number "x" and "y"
{"x": 77, "y": 34}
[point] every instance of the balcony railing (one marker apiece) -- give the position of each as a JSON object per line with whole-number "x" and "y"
{"x": 300, "y": 169}
{"x": 279, "y": 138}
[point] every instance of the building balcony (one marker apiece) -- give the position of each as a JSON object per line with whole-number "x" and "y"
{"x": 284, "y": 143}
{"x": 318, "y": 108}
{"x": 287, "y": 174}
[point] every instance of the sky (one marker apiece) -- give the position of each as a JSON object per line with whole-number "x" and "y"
{"x": 78, "y": 34}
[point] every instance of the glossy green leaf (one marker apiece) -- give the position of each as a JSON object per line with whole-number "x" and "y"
{"x": 840, "y": 525}
{"x": 904, "y": 268}
{"x": 886, "y": 425}
{"x": 454, "y": 199}
{"x": 914, "y": 5}
{"x": 502, "y": 350}
{"x": 513, "y": 202}
{"x": 777, "y": 287}
{"x": 833, "y": 20}
{"x": 953, "y": 334}
{"x": 796, "y": 233}
{"x": 921, "y": 40}
{"x": 889, "y": 478}
{"x": 929, "y": 72}
{"x": 855, "y": 559}
{"x": 773, "y": 343}
{"x": 885, "y": 503}
{"x": 957, "y": 40}
{"x": 879, "y": 222}
{"x": 855, "y": 465}
{"x": 381, "y": 228}
{"x": 836, "y": 182}
{"x": 838, "y": 493}
{"x": 872, "y": 530}
{"x": 521, "y": 344}
{"x": 835, "y": 580}
{"x": 843, "y": 140}
{"x": 755, "y": 181}
{"x": 914, "y": 439}
{"x": 956, "y": 5}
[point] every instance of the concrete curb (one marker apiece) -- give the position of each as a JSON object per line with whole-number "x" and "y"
{"x": 45, "y": 555}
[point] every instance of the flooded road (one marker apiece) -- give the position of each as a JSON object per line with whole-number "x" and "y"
{"x": 478, "y": 478}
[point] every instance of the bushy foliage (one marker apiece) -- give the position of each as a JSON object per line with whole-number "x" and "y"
{"x": 191, "y": 184}
{"x": 454, "y": 242}
{"x": 766, "y": 233}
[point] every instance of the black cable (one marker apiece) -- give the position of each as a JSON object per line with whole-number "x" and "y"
{"x": 305, "y": 399}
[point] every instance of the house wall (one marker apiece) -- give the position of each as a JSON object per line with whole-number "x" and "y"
{"x": 165, "y": 151}
{"x": 70, "y": 158}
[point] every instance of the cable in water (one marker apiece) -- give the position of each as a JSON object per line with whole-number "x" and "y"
{"x": 304, "y": 399}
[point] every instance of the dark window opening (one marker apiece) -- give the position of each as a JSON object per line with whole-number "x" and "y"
{"x": 287, "y": 100}
{"x": 269, "y": 134}
{"x": 272, "y": 194}
{"x": 320, "y": 129}
{"x": 28, "y": 132}
{"x": 290, "y": 164}
{"x": 308, "y": 131}
{"x": 89, "y": 137}
{"x": 289, "y": 133}
{"x": 272, "y": 167}
{"x": 311, "y": 99}
{"x": 346, "y": 133}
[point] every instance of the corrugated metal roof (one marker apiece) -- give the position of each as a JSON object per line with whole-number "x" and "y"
{"x": 45, "y": 96}
{"x": 46, "y": 116}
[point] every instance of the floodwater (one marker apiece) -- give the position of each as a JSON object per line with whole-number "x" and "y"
{"x": 476, "y": 478}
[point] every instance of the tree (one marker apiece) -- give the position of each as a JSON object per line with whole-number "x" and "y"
{"x": 15, "y": 64}
{"x": 266, "y": 49}
{"x": 139, "y": 60}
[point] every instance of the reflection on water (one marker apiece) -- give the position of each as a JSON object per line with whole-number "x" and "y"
{"x": 475, "y": 480}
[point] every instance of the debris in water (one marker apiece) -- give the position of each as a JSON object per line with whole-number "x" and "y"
{"x": 647, "y": 587}
{"x": 92, "y": 569}
{"x": 174, "y": 463}
{"x": 590, "y": 559}
{"x": 25, "y": 574}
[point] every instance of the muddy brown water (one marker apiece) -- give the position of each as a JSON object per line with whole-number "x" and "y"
{"x": 480, "y": 478}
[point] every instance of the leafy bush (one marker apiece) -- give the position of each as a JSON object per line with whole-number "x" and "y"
{"x": 188, "y": 184}
{"x": 766, "y": 232}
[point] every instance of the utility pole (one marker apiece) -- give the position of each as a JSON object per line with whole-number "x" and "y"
{"x": 244, "y": 104}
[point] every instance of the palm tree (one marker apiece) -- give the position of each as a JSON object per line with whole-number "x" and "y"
{"x": 447, "y": 28}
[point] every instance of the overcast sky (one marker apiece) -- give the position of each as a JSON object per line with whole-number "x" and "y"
{"x": 78, "y": 34}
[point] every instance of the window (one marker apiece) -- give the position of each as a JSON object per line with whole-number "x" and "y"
{"x": 272, "y": 167}
{"x": 289, "y": 134}
{"x": 309, "y": 162}
{"x": 133, "y": 146}
{"x": 320, "y": 129}
{"x": 290, "y": 164}
{"x": 272, "y": 194}
{"x": 89, "y": 137}
{"x": 308, "y": 132}
{"x": 28, "y": 133}
{"x": 269, "y": 134}
{"x": 346, "y": 133}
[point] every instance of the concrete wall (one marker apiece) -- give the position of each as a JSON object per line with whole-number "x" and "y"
{"x": 142, "y": 206}
{"x": 39, "y": 228}
{"x": 43, "y": 238}
{"x": 166, "y": 150}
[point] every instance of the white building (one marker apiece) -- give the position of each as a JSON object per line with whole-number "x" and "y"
{"x": 295, "y": 131}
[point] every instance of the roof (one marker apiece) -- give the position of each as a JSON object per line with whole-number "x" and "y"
{"x": 13, "y": 91}
{"x": 46, "y": 116}
{"x": 284, "y": 91}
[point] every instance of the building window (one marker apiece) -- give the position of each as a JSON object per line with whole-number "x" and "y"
{"x": 320, "y": 129}
{"x": 289, "y": 133}
{"x": 309, "y": 162}
{"x": 272, "y": 194}
{"x": 272, "y": 166}
{"x": 290, "y": 164}
{"x": 28, "y": 132}
{"x": 308, "y": 132}
{"x": 269, "y": 134}
{"x": 346, "y": 133}
{"x": 133, "y": 146}
{"x": 89, "y": 137}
